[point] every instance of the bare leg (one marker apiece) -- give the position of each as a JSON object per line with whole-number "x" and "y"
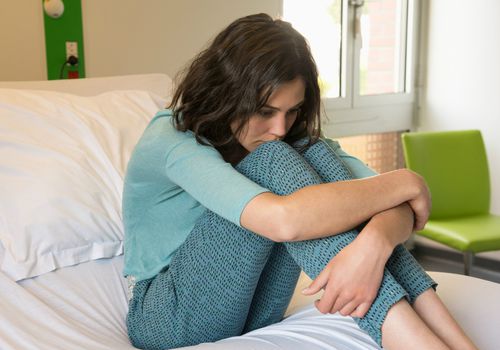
{"x": 434, "y": 313}
{"x": 404, "y": 329}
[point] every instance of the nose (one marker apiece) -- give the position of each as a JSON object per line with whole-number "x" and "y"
{"x": 278, "y": 125}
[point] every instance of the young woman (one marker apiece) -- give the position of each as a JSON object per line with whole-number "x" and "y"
{"x": 232, "y": 191}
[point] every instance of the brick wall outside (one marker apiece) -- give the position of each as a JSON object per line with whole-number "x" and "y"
{"x": 380, "y": 74}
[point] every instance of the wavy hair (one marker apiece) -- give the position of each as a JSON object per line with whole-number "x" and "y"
{"x": 235, "y": 76}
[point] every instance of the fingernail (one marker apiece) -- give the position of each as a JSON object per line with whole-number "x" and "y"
{"x": 306, "y": 290}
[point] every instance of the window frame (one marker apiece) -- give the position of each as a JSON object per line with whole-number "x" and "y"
{"x": 355, "y": 114}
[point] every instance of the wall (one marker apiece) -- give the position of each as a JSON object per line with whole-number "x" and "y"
{"x": 156, "y": 35}
{"x": 121, "y": 36}
{"x": 462, "y": 75}
{"x": 22, "y": 41}
{"x": 462, "y": 80}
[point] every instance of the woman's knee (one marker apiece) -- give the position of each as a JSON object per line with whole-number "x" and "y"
{"x": 326, "y": 162}
{"x": 269, "y": 153}
{"x": 278, "y": 167}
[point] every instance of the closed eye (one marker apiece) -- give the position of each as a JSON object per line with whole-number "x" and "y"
{"x": 267, "y": 113}
{"x": 293, "y": 112}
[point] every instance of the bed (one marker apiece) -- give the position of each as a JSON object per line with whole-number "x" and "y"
{"x": 64, "y": 147}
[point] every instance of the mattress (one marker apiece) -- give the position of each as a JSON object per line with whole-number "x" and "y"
{"x": 84, "y": 307}
{"x": 78, "y": 307}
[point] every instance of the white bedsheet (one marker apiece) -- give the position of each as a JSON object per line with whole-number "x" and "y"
{"x": 84, "y": 307}
{"x": 79, "y": 307}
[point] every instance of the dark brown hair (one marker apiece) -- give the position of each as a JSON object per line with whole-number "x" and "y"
{"x": 233, "y": 78}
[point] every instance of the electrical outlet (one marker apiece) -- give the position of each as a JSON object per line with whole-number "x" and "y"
{"x": 71, "y": 49}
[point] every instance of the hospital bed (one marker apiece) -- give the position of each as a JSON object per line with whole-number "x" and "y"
{"x": 64, "y": 147}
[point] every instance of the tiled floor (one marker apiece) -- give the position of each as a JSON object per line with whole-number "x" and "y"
{"x": 433, "y": 261}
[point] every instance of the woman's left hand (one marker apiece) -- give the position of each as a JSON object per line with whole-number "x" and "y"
{"x": 351, "y": 279}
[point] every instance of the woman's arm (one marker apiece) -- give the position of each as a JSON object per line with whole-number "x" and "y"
{"x": 389, "y": 228}
{"x": 331, "y": 208}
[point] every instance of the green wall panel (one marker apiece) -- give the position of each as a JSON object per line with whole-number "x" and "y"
{"x": 58, "y": 31}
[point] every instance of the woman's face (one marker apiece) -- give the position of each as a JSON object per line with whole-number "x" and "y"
{"x": 274, "y": 120}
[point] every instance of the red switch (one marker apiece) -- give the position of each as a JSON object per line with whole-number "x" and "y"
{"x": 73, "y": 74}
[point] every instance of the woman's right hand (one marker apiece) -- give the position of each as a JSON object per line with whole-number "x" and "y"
{"x": 352, "y": 278}
{"x": 421, "y": 202}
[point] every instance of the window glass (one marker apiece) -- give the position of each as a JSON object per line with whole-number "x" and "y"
{"x": 320, "y": 21}
{"x": 382, "y": 55}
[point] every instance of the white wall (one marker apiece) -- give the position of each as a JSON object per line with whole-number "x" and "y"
{"x": 129, "y": 36}
{"x": 462, "y": 76}
{"x": 22, "y": 41}
{"x": 121, "y": 36}
{"x": 462, "y": 80}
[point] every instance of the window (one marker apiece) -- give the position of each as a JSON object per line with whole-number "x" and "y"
{"x": 365, "y": 52}
{"x": 382, "y": 54}
{"x": 321, "y": 23}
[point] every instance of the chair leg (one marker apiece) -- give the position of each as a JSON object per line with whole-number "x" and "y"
{"x": 468, "y": 261}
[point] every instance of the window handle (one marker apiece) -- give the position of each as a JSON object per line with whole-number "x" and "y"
{"x": 357, "y": 25}
{"x": 357, "y": 4}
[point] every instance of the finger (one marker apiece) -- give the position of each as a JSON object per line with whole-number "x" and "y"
{"x": 322, "y": 306}
{"x": 421, "y": 217}
{"x": 325, "y": 304}
{"x": 319, "y": 282}
{"x": 420, "y": 222}
{"x": 420, "y": 225}
{"x": 361, "y": 310}
{"x": 348, "y": 308}
{"x": 339, "y": 304}
{"x": 319, "y": 306}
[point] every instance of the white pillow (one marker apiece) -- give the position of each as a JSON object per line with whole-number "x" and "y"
{"x": 62, "y": 162}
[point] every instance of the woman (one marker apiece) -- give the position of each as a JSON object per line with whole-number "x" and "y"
{"x": 231, "y": 192}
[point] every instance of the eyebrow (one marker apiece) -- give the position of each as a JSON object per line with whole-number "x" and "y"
{"x": 277, "y": 109}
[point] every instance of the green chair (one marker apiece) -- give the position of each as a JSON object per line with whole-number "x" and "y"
{"x": 455, "y": 166}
